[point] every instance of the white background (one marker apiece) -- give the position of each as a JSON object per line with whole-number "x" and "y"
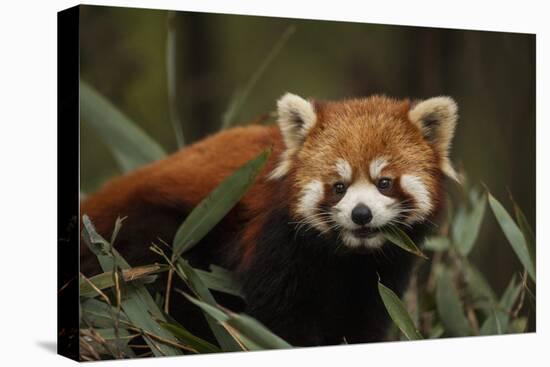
{"x": 28, "y": 181}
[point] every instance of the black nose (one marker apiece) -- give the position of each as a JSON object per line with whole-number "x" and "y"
{"x": 361, "y": 214}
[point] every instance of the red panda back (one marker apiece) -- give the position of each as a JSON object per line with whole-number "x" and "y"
{"x": 156, "y": 198}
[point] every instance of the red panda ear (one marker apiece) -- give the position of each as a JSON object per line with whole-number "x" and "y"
{"x": 296, "y": 117}
{"x": 436, "y": 117}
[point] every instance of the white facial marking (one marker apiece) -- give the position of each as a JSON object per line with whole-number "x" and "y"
{"x": 414, "y": 186}
{"x": 351, "y": 241}
{"x": 376, "y": 167}
{"x": 344, "y": 169}
{"x": 307, "y": 206}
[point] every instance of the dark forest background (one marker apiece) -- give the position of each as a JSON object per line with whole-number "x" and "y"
{"x": 491, "y": 75}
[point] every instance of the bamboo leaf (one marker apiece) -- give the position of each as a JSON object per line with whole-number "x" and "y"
{"x": 467, "y": 224}
{"x": 458, "y": 223}
{"x": 129, "y": 144}
{"x": 138, "y": 305}
{"x": 251, "y": 333}
{"x": 449, "y": 306}
{"x": 216, "y": 205}
{"x": 190, "y": 277}
{"x": 241, "y": 96}
{"x": 518, "y": 325}
{"x": 436, "y": 332}
{"x": 171, "y": 76}
{"x": 401, "y": 239}
{"x": 498, "y": 321}
{"x": 110, "y": 334}
{"x": 111, "y": 344}
{"x": 398, "y": 312}
{"x": 217, "y": 314}
{"x": 200, "y": 345}
{"x": 528, "y": 233}
{"x": 495, "y": 324}
{"x": 437, "y": 243}
{"x": 510, "y": 295}
{"x": 220, "y": 279}
{"x": 256, "y": 332}
{"x": 478, "y": 288}
{"x": 100, "y": 315}
{"x": 144, "y": 274}
{"x": 513, "y": 234}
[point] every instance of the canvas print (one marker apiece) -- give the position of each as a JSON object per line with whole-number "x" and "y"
{"x": 252, "y": 183}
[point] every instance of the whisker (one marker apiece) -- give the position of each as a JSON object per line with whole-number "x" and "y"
{"x": 312, "y": 221}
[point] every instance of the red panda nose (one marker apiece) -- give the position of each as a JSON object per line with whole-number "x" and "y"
{"x": 361, "y": 214}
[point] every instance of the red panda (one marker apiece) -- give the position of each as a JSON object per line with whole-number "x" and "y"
{"x": 305, "y": 241}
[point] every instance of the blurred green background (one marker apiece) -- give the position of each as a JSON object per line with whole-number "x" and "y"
{"x": 491, "y": 75}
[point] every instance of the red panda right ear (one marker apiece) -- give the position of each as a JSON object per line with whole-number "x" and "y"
{"x": 296, "y": 117}
{"x": 436, "y": 118}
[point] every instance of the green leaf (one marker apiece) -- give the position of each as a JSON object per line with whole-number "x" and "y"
{"x": 110, "y": 334}
{"x": 528, "y": 233}
{"x": 192, "y": 279}
{"x": 510, "y": 295}
{"x": 466, "y": 226}
{"x": 216, "y": 205}
{"x": 398, "y": 313}
{"x": 138, "y": 305}
{"x": 118, "y": 226}
{"x": 97, "y": 244}
{"x": 437, "y": 243}
{"x": 495, "y": 324}
{"x": 217, "y": 314}
{"x": 518, "y": 325}
{"x": 449, "y": 306}
{"x": 130, "y": 146}
{"x": 100, "y": 315}
{"x": 171, "y": 76}
{"x": 498, "y": 320}
{"x": 436, "y": 332}
{"x": 256, "y": 332}
{"x": 200, "y": 345}
{"x": 478, "y": 288}
{"x": 513, "y": 234}
{"x": 401, "y": 239}
{"x": 112, "y": 344}
{"x": 241, "y": 96}
{"x": 251, "y": 333}
{"x": 475, "y": 195}
{"x": 143, "y": 274}
{"x": 220, "y": 279}
{"x": 458, "y": 223}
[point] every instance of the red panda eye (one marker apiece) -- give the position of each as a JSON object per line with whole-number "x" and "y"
{"x": 384, "y": 184}
{"x": 339, "y": 188}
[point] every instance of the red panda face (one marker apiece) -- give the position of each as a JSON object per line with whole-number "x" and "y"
{"x": 357, "y": 166}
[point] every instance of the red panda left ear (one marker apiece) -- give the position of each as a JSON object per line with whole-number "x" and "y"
{"x": 436, "y": 117}
{"x": 296, "y": 117}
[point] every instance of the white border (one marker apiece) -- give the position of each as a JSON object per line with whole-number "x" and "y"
{"x": 28, "y": 195}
